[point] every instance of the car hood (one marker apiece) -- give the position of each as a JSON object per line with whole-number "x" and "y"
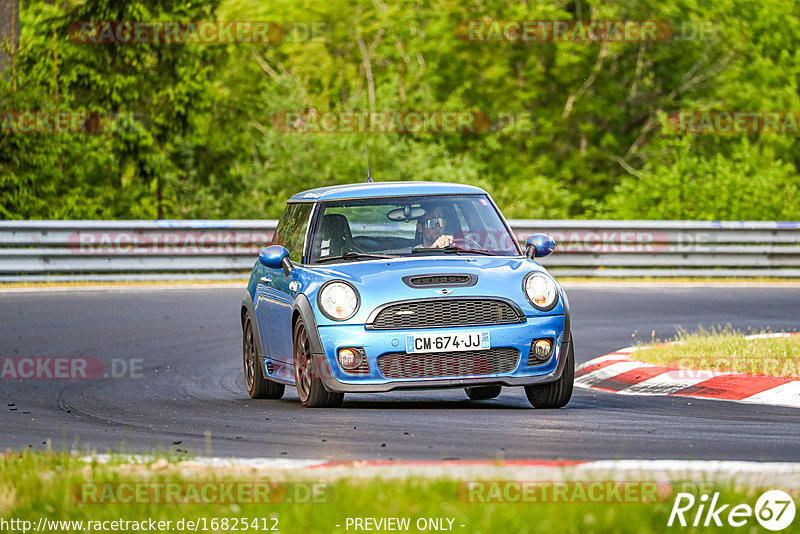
{"x": 382, "y": 271}
{"x": 381, "y": 281}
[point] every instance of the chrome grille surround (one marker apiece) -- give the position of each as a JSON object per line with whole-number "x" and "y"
{"x": 444, "y": 312}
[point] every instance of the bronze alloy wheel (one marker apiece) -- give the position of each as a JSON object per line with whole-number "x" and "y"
{"x": 257, "y": 386}
{"x": 302, "y": 363}
{"x": 249, "y": 353}
{"x": 307, "y": 380}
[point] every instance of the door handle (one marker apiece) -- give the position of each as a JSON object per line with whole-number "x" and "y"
{"x": 264, "y": 280}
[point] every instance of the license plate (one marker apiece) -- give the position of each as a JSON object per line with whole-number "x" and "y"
{"x": 448, "y": 342}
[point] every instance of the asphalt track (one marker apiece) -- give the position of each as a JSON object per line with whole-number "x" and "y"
{"x": 190, "y": 395}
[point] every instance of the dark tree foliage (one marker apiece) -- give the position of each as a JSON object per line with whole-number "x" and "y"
{"x": 579, "y": 129}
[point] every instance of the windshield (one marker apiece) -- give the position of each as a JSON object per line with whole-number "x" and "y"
{"x": 350, "y": 230}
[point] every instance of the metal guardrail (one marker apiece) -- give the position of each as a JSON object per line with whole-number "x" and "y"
{"x": 669, "y": 248}
{"x": 131, "y": 250}
{"x": 226, "y": 249}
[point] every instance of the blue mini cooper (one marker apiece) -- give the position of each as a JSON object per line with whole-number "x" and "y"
{"x": 403, "y": 285}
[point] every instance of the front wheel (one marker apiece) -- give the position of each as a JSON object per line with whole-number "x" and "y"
{"x": 257, "y": 386}
{"x": 483, "y": 392}
{"x": 309, "y": 385}
{"x": 555, "y": 394}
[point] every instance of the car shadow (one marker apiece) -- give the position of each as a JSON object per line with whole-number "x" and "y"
{"x": 432, "y": 405}
{"x": 508, "y": 402}
{"x": 420, "y": 403}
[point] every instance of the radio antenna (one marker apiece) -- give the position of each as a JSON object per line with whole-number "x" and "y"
{"x": 366, "y": 151}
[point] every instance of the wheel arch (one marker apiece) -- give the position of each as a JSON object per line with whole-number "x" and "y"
{"x": 302, "y": 309}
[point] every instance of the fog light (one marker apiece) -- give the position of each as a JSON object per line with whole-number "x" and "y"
{"x": 542, "y": 349}
{"x": 349, "y": 358}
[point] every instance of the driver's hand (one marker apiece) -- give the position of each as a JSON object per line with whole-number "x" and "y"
{"x": 443, "y": 241}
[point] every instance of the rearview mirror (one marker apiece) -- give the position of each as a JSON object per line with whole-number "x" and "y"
{"x": 406, "y": 213}
{"x": 539, "y": 246}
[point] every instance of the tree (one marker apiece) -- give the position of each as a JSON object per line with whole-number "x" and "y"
{"x": 125, "y": 172}
{"x": 9, "y": 31}
{"x": 690, "y": 185}
{"x": 585, "y": 136}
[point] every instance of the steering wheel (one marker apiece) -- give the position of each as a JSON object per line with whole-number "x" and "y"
{"x": 466, "y": 242}
{"x": 365, "y": 244}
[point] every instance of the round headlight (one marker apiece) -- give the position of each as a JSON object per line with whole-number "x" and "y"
{"x": 338, "y": 300}
{"x": 541, "y": 291}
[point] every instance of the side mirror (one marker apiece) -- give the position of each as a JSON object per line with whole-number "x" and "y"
{"x": 275, "y": 257}
{"x": 539, "y": 246}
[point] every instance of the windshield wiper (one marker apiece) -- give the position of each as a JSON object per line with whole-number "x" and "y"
{"x": 453, "y": 250}
{"x": 353, "y": 256}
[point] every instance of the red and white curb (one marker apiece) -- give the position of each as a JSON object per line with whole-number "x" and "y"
{"x": 618, "y": 372}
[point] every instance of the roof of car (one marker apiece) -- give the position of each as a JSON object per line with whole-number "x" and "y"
{"x": 384, "y": 189}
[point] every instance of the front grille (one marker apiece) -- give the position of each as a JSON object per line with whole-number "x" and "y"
{"x": 432, "y": 313}
{"x": 441, "y": 280}
{"x": 467, "y": 363}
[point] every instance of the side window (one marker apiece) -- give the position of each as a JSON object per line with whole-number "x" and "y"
{"x": 291, "y": 229}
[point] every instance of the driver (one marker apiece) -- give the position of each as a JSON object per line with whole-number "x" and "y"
{"x": 431, "y": 227}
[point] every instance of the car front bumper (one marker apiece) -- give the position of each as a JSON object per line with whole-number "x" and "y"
{"x": 379, "y": 342}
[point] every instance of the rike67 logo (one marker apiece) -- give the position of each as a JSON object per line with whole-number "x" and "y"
{"x": 774, "y": 511}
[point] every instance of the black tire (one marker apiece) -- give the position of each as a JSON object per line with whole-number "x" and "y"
{"x": 555, "y": 394}
{"x": 483, "y": 392}
{"x": 306, "y": 374}
{"x": 257, "y": 386}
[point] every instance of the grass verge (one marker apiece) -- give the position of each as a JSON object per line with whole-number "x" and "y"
{"x": 54, "y": 486}
{"x": 728, "y": 350}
